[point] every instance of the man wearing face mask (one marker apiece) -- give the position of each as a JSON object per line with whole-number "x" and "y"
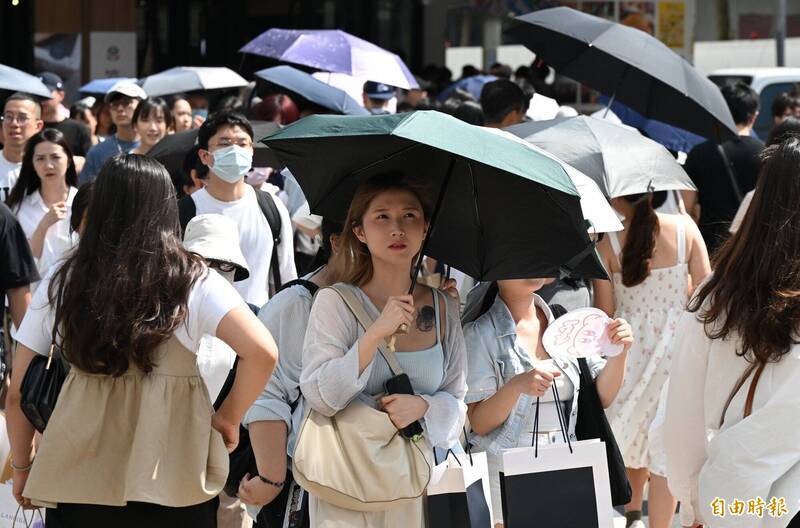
{"x": 225, "y": 146}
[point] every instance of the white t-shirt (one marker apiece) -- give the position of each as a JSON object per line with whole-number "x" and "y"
{"x": 9, "y": 173}
{"x": 255, "y": 240}
{"x": 211, "y": 298}
{"x": 741, "y": 212}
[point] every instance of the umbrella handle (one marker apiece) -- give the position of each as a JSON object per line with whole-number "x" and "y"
{"x": 402, "y": 329}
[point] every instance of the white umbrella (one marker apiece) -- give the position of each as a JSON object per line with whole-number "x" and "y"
{"x": 16, "y": 80}
{"x": 191, "y": 78}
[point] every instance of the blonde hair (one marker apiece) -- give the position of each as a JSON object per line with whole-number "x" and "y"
{"x": 352, "y": 261}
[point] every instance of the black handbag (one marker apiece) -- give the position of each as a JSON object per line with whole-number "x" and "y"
{"x": 41, "y": 387}
{"x": 592, "y": 423}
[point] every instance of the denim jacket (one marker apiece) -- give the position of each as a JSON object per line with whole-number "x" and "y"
{"x": 495, "y": 356}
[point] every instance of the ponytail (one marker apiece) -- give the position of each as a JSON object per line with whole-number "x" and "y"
{"x": 640, "y": 240}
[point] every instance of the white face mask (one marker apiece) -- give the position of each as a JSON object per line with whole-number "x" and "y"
{"x": 232, "y": 163}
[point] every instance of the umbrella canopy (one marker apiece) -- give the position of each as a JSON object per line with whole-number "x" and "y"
{"x": 504, "y": 210}
{"x": 191, "y": 78}
{"x": 621, "y": 161}
{"x": 629, "y": 65}
{"x": 301, "y": 86}
{"x": 15, "y": 80}
{"x": 172, "y": 149}
{"x": 335, "y": 51}
{"x": 472, "y": 85}
{"x": 103, "y": 86}
{"x": 672, "y": 137}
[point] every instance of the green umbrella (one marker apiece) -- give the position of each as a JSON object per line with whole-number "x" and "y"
{"x": 503, "y": 209}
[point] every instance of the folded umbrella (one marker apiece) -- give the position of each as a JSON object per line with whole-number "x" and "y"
{"x": 628, "y": 65}
{"x": 503, "y": 209}
{"x": 335, "y": 51}
{"x": 172, "y": 149}
{"x": 103, "y": 86}
{"x": 14, "y": 80}
{"x": 191, "y": 78}
{"x": 620, "y": 160}
{"x": 304, "y": 88}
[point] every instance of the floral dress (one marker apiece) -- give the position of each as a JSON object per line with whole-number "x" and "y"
{"x": 653, "y": 308}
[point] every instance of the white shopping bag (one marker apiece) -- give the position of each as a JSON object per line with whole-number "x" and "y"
{"x": 12, "y": 516}
{"x": 557, "y": 487}
{"x": 458, "y": 494}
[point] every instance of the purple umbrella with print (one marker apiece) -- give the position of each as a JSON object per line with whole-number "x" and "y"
{"x": 333, "y": 50}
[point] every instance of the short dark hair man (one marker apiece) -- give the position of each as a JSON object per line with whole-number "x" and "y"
{"x": 786, "y": 104}
{"x": 723, "y": 176}
{"x": 22, "y": 118}
{"x": 122, "y": 100}
{"x": 504, "y": 103}
{"x": 225, "y": 146}
{"x": 77, "y": 135}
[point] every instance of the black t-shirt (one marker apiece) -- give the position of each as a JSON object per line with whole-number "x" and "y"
{"x": 718, "y": 202}
{"x": 17, "y": 267}
{"x": 78, "y": 136}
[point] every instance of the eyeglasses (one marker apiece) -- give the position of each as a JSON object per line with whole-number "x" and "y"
{"x": 222, "y": 143}
{"x": 224, "y": 267}
{"x": 21, "y": 119}
{"x": 124, "y": 102}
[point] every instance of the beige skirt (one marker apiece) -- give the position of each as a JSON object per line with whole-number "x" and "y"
{"x": 325, "y": 515}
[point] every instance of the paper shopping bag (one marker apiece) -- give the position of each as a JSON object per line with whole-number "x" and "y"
{"x": 557, "y": 488}
{"x": 12, "y": 516}
{"x": 458, "y": 494}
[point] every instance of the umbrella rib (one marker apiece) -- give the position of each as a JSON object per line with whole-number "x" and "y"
{"x": 479, "y": 240}
{"x": 384, "y": 159}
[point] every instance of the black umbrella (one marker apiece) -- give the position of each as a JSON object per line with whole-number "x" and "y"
{"x": 503, "y": 208}
{"x": 171, "y": 150}
{"x": 628, "y": 65}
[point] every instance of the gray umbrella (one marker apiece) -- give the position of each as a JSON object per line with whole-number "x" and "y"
{"x": 14, "y": 80}
{"x": 619, "y": 159}
{"x": 628, "y": 65}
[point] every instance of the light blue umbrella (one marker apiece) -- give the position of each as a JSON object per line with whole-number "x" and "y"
{"x": 103, "y": 86}
{"x": 296, "y": 84}
{"x": 15, "y": 80}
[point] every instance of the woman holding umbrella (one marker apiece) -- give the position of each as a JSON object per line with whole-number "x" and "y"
{"x": 655, "y": 264}
{"x": 385, "y": 227}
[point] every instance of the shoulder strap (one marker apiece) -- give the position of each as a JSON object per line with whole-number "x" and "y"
{"x": 366, "y": 321}
{"x": 270, "y": 211}
{"x": 729, "y": 171}
{"x": 751, "y": 392}
{"x": 307, "y": 284}
{"x": 681, "y": 239}
{"x": 186, "y": 211}
{"x": 612, "y": 237}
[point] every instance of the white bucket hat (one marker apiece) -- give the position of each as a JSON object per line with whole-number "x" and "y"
{"x": 216, "y": 237}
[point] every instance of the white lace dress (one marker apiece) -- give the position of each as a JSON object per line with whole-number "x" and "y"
{"x": 653, "y": 308}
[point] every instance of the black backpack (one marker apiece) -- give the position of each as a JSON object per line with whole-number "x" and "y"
{"x": 188, "y": 210}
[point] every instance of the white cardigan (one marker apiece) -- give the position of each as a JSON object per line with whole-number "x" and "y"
{"x": 746, "y": 458}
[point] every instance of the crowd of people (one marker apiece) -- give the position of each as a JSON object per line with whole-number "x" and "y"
{"x": 156, "y": 286}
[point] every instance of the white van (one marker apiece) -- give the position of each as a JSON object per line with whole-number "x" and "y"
{"x": 767, "y": 82}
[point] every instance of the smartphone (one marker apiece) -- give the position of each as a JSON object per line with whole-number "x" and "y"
{"x": 400, "y": 384}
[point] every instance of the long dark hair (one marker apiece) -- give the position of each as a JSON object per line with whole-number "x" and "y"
{"x": 754, "y": 292}
{"x": 29, "y": 182}
{"x": 125, "y": 290}
{"x": 640, "y": 240}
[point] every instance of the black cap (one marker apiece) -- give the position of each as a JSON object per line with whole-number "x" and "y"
{"x": 52, "y": 81}
{"x": 376, "y": 90}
